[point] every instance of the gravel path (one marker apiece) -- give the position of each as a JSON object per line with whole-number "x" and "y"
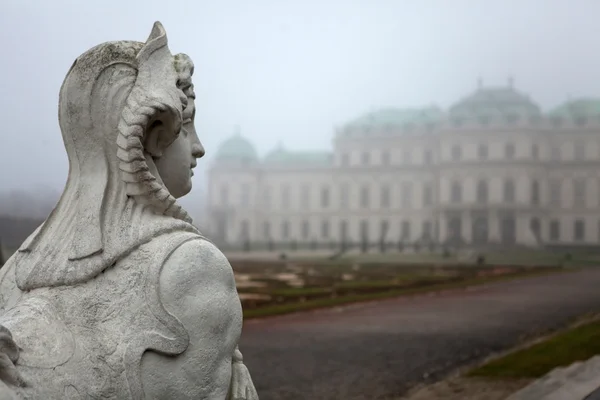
{"x": 379, "y": 350}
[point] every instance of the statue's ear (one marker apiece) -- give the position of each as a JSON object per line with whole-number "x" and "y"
{"x": 158, "y": 136}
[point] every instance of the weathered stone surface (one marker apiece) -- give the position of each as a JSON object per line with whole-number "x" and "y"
{"x": 117, "y": 295}
{"x": 574, "y": 382}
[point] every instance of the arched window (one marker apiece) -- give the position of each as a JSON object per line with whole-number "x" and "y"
{"x": 535, "y": 193}
{"x": 285, "y": 230}
{"x": 456, "y": 192}
{"x": 509, "y": 191}
{"x": 482, "y": 191}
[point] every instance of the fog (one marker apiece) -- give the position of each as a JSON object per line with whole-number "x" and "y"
{"x": 291, "y": 71}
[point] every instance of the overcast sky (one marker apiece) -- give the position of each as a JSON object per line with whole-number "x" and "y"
{"x": 292, "y": 70}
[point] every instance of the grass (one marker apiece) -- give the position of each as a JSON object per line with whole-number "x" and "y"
{"x": 280, "y": 309}
{"x": 576, "y": 344}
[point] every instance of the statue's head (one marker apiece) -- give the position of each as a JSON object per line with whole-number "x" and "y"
{"x": 126, "y": 112}
{"x": 133, "y": 103}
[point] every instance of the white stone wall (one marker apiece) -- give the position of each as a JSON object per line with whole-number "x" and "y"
{"x": 523, "y": 155}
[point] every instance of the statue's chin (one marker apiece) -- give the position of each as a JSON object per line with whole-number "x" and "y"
{"x": 181, "y": 190}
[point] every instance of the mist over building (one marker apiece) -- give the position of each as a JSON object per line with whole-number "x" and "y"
{"x": 492, "y": 169}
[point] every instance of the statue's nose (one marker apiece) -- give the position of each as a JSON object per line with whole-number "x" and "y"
{"x": 197, "y": 150}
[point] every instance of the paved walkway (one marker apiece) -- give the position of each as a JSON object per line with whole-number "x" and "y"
{"x": 377, "y": 350}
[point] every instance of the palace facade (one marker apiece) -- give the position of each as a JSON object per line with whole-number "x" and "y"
{"x": 492, "y": 169}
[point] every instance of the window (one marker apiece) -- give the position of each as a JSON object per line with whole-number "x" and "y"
{"x": 343, "y": 230}
{"x": 364, "y": 230}
{"x": 305, "y": 229}
{"x": 285, "y": 197}
{"x": 266, "y": 196}
{"x": 405, "y": 230}
{"x": 428, "y": 157}
{"x": 554, "y": 230}
{"x": 325, "y": 229}
{"x": 364, "y": 197}
{"x": 579, "y": 230}
{"x": 482, "y": 152}
{"x": 366, "y": 158}
{"x": 285, "y": 230}
{"x": 245, "y": 230}
{"x": 384, "y": 225}
{"x": 509, "y": 191}
{"x": 224, "y": 195}
{"x": 579, "y": 151}
{"x": 407, "y": 194}
{"x": 345, "y": 159}
{"x": 482, "y": 192}
{"x": 385, "y": 196}
{"x": 385, "y": 158}
{"x": 535, "y": 227}
{"x": 428, "y": 195}
{"x": 535, "y": 193}
{"x": 325, "y": 197}
{"x": 456, "y": 192}
{"x": 427, "y": 230}
{"x": 305, "y": 197}
{"x": 245, "y": 195}
{"x": 344, "y": 196}
{"x": 407, "y": 156}
{"x": 555, "y": 193}
{"x": 456, "y": 153}
{"x": 267, "y": 230}
{"x": 535, "y": 152}
{"x": 555, "y": 153}
{"x": 579, "y": 193}
{"x": 509, "y": 151}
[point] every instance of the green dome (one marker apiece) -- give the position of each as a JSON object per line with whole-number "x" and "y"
{"x": 394, "y": 118}
{"x": 579, "y": 108}
{"x": 495, "y": 102}
{"x": 237, "y": 148}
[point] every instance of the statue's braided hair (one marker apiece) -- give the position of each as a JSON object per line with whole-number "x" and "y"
{"x": 139, "y": 113}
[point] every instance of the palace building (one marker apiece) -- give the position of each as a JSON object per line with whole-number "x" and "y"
{"x": 492, "y": 169}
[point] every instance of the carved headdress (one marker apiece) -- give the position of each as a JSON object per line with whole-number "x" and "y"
{"x": 116, "y": 98}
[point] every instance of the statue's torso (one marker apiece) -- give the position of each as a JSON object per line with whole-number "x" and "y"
{"x": 88, "y": 340}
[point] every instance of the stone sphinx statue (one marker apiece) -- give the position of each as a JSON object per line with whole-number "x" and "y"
{"x": 117, "y": 295}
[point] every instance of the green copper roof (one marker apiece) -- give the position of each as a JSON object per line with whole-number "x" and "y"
{"x": 396, "y": 118}
{"x": 283, "y": 157}
{"x": 489, "y": 102}
{"x": 585, "y": 107}
{"x": 236, "y": 148}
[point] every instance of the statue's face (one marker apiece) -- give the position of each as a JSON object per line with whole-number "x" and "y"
{"x": 176, "y": 164}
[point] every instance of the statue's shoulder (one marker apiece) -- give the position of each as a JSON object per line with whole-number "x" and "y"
{"x": 195, "y": 265}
